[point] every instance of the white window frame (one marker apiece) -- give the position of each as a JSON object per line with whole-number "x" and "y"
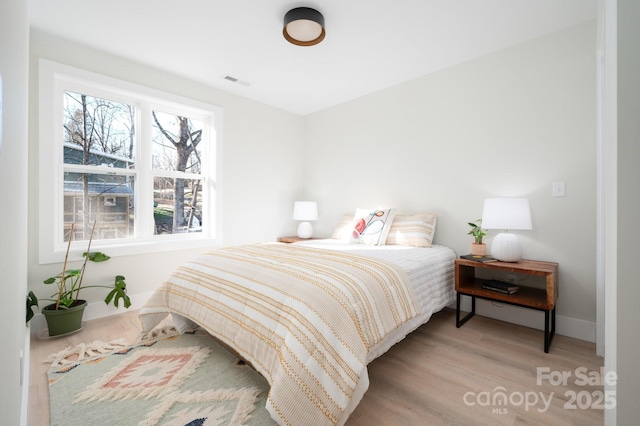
{"x": 54, "y": 79}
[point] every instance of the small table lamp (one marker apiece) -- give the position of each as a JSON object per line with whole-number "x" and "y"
{"x": 506, "y": 214}
{"x": 305, "y": 211}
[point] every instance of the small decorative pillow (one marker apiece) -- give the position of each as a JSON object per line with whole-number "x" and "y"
{"x": 343, "y": 231}
{"x": 412, "y": 230}
{"x": 372, "y": 226}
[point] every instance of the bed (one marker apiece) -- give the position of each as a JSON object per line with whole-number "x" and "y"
{"x": 308, "y": 316}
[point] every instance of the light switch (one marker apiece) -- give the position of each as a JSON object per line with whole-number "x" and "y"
{"x": 557, "y": 189}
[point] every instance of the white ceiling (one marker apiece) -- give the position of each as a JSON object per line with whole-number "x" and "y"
{"x": 370, "y": 44}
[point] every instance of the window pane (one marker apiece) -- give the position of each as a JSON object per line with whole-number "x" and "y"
{"x": 106, "y": 200}
{"x": 177, "y": 205}
{"x": 98, "y": 131}
{"x": 176, "y": 143}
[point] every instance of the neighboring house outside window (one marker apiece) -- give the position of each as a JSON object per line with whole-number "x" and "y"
{"x": 132, "y": 168}
{"x": 109, "y": 198}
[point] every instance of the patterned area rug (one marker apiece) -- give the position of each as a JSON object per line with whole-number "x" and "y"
{"x": 178, "y": 380}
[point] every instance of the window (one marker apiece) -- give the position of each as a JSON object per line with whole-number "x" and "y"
{"x": 133, "y": 169}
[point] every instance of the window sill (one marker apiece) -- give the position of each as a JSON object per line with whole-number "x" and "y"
{"x": 130, "y": 249}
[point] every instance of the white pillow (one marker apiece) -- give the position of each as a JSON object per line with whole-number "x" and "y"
{"x": 412, "y": 230}
{"x": 372, "y": 226}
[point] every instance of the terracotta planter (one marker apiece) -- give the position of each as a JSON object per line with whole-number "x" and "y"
{"x": 479, "y": 249}
{"x": 63, "y": 321}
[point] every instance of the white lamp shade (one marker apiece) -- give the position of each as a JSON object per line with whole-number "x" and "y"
{"x": 506, "y": 213}
{"x": 305, "y": 210}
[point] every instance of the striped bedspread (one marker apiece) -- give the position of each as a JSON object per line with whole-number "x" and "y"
{"x": 305, "y": 318}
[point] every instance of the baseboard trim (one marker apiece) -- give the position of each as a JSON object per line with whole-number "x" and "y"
{"x": 96, "y": 310}
{"x": 566, "y": 326}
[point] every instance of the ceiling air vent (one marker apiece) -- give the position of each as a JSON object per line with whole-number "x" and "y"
{"x": 235, "y": 80}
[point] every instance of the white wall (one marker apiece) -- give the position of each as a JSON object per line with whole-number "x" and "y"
{"x": 262, "y": 147}
{"x": 506, "y": 124}
{"x": 628, "y": 197}
{"x": 14, "y": 45}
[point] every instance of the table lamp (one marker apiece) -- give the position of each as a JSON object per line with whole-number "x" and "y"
{"x": 506, "y": 214}
{"x": 305, "y": 211}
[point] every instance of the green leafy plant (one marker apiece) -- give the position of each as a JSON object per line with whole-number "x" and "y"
{"x": 69, "y": 283}
{"x": 477, "y": 231}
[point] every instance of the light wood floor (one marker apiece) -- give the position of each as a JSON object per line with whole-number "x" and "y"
{"x": 438, "y": 375}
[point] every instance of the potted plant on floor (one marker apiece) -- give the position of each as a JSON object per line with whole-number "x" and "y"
{"x": 64, "y": 314}
{"x": 478, "y": 248}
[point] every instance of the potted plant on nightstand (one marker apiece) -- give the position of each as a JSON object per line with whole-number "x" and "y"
{"x": 64, "y": 315}
{"x": 478, "y": 248}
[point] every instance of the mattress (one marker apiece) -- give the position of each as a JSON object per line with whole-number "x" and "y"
{"x": 431, "y": 276}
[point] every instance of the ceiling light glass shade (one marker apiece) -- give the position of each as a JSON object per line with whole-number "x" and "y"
{"x": 303, "y": 26}
{"x": 506, "y": 214}
{"x": 305, "y": 211}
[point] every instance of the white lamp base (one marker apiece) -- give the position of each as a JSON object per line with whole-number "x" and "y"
{"x": 506, "y": 248}
{"x": 305, "y": 230}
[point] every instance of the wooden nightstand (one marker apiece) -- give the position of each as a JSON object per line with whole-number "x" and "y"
{"x": 542, "y": 299}
{"x": 293, "y": 239}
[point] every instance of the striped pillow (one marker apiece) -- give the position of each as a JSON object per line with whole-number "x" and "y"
{"x": 344, "y": 229}
{"x": 412, "y": 230}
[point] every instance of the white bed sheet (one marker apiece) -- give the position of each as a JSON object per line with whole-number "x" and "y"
{"x": 431, "y": 275}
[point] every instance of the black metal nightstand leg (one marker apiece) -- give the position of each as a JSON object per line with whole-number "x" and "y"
{"x": 548, "y": 334}
{"x": 459, "y": 321}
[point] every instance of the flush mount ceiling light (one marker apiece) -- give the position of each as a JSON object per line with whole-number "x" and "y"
{"x": 303, "y": 26}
